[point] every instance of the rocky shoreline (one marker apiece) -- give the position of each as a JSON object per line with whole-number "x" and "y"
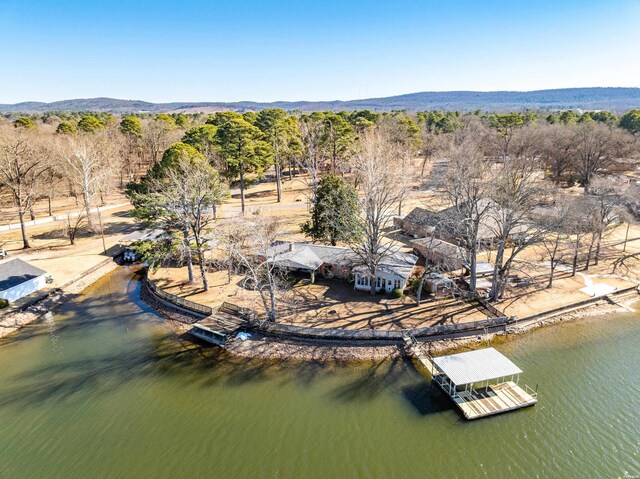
{"x": 270, "y": 348}
{"x": 261, "y": 347}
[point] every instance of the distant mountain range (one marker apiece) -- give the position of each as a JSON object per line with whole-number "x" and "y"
{"x": 613, "y": 99}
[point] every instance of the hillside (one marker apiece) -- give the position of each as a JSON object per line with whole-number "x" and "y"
{"x": 614, "y": 99}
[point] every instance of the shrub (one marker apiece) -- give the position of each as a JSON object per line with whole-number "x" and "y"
{"x": 4, "y": 303}
{"x": 397, "y": 293}
{"x": 414, "y": 284}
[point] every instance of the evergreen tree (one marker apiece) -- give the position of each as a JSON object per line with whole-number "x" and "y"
{"x": 130, "y": 126}
{"x": 279, "y": 130}
{"x": 89, "y": 124}
{"x": 334, "y": 217}
{"x": 631, "y": 121}
{"x": 24, "y": 122}
{"x": 242, "y": 149}
{"x": 65, "y": 128}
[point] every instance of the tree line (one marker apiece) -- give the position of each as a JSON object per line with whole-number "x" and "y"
{"x": 177, "y": 169}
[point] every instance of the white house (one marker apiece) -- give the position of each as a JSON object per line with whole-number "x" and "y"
{"x": 392, "y": 273}
{"x": 337, "y": 262}
{"x": 19, "y": 279}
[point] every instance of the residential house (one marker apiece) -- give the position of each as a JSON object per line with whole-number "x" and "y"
{"x": 393, "y": 272}
{"x": 19, "y": 279}
{"x": 447, "y": 224}
{"x": 338, "y": 262}
{"x": 448, "y": 256}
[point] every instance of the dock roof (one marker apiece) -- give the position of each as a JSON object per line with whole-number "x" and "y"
{"x": 476, "y": 366}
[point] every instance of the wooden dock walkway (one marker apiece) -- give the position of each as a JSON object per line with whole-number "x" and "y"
{"x": 496, "y": 399}
{"x": 223, "y": 323}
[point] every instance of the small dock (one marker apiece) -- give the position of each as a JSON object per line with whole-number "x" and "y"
{"x": 481, "y": 383}
{"x": 222, "y": 324}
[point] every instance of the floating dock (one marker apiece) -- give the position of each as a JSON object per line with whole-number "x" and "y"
{"x": 481, "y": 383}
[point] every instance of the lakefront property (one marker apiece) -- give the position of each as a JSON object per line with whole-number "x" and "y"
{"x": 392, "y": 272}
{"x": 376, "y": 254}
{"x": 19, "y": 279}
{"x": 258, "y": 265}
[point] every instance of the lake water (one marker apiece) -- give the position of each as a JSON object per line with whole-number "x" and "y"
{"x": 101, "y": 390}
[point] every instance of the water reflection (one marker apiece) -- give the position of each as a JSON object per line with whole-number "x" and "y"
{"x": 105, "y": 389}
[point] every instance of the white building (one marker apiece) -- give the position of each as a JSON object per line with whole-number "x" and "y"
{"x": 392, "y": 273}
{"x": 336, "y": 262}
{"x": 19, "y": 279}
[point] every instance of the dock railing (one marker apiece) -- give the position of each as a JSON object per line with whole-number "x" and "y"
{"x": 445, "y": 385}
{"x": 533, "y": 393}
{"x": 245, "y": 313}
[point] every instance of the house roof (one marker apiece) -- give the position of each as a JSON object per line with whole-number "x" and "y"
{"x": 15, "y": 272}
{"x": 143, "y": 235}
{"x": 312, "y": 256}
{"x": 476, "y": 366}
{"x": 448, "y": 220}
{"x": 308, "y": 255}
{"x": 482, "y": 267}
{"x": 300, "y": 258}
{"x": 429, "y": 243}
{"x": 398, "y": 263}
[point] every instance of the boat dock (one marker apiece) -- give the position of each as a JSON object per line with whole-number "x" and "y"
{"x": 481, "y": 383}
{"x": 222, "y": 324}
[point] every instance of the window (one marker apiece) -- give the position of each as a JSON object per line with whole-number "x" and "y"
{"x": 397, "y": 284}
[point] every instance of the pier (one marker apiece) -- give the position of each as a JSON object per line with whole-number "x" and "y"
{"x": 222, "y": 324}
{"x": 481, "y": 383}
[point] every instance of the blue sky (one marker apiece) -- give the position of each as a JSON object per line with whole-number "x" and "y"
{"x": 301, "y": 50}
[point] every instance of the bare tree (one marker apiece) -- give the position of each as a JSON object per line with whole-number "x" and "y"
{"x": 465, "y": 184}
{"x": 257, "y": 261}
{"x": 157, "y": 135}
{"x": 578, "y": 226}
{"x": 517, "y": 188}
{"x": 556, "y": 223}
{"x": 182, "y": 198}
{"x": 73, "y": 223}
{"x": 233, "y": 236}
{"x": 382, "y": 185}
{"x": 606, "y": 195}
{"x": 596, "y": 147}
{"x": 433, "y": 144}
{"x": 312, "y": 157}
{"x": 558, "y": 153}
{"x": 88, "y": 160}
{"x": 23, "y": 157}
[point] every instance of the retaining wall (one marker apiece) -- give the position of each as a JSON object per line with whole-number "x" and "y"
{"x": 428, "y": 333}
{"x": 576, "y": 305}
{"x": 178, "y": 301}
{"x": 329, "y": 334}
